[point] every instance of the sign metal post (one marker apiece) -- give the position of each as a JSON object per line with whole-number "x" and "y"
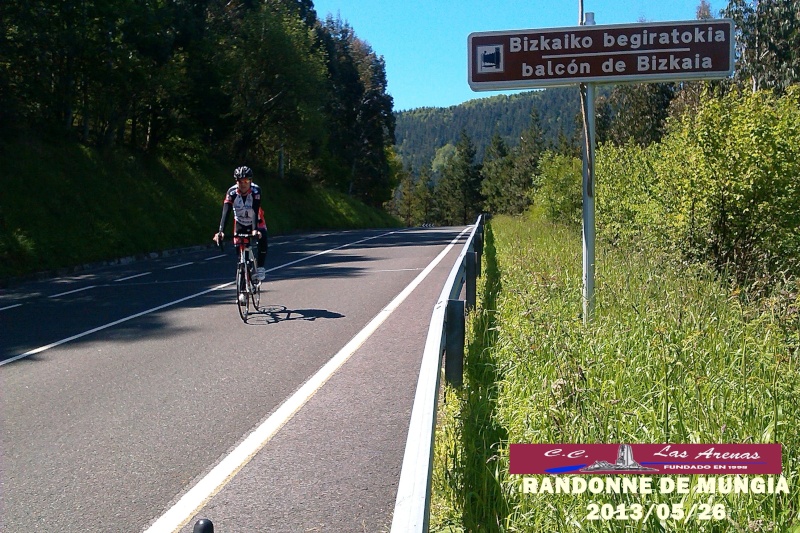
{"x": 588, "y": 105}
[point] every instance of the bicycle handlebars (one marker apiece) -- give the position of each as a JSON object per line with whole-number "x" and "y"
{"x": 245, "y": 239}
{"x": 247, "y": 236}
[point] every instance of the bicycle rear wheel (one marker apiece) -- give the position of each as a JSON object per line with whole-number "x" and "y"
{"x": 242, "y": 301}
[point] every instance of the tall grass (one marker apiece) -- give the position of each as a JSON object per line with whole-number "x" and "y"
{"x": 672, "y": 356}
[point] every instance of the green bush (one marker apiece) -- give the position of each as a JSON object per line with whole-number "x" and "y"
{"x": 560, "y": 192}
{"x": 721, "y": 187}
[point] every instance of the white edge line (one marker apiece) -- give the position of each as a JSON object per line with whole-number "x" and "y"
{"x": 411, "y": 500}
{"x": 205, "y": 489}
{"x": 71, "y": 292}
{"x": 9, "y": 307}
{"x": 397, "y": 270}
{"x": 215, "y": 257}
{"x": 132, "y": 277}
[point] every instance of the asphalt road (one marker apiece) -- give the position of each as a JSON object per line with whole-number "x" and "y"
{"x": 125, "y": 389}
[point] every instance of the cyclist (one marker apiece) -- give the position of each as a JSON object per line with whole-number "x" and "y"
{"x": 248, "y": 217}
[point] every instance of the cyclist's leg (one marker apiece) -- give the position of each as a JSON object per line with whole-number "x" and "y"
{"x": 263, "y": 246}
{"x": 261, "y": 254}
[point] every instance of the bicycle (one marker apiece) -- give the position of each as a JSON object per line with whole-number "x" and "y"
{"x": 248, "y": 288}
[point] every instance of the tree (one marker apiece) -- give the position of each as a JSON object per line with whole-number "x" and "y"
{"x": 277, "y": 86}
{"x": 245, "y": 79}
{"x": 343, "y": 98}
{"x": 688, "y": 93}
{"x": 55, "y": 55}
{"x": 359, "y": 112}
{"x": 560, "y": 191}
{"x": 767, "y": 43}
{"x": 420, "y": 132}
{"x": 423, "y": 198}
{"x": 402, "y": 201}
{"x": 442, "y": 157}
{"x": 459, "y": 189}
{"x": 497, "y": 170}
{"x": 639, "y": 112}
{"x": 703, "y": 11}
{"x": 522, "y": 177}
{"x": 373, "y": 180}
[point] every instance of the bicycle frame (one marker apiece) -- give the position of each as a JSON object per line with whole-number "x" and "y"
{"x": 247, "y": 290}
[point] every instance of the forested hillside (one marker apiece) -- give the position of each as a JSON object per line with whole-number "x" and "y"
{"x": 421, "y": 132}
{"x": 126, "y": 119}
{"x": 266, "y": 84}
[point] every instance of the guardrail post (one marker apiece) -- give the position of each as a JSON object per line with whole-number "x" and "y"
{"x": 478, "y": 243}
{"x": 204, "y": 525}
{"x": 454, "y": 342}
{"x": 470, "y": 281}
{"x": 478, "y": 250}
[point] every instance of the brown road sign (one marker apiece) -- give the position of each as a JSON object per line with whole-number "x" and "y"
{"x": 647, "y": 52}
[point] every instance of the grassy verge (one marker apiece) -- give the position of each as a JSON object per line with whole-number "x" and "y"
{"x": 673, "y": 356}
{"x": 64, "y": 204}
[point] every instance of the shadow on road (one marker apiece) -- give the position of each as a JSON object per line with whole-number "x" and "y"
{"x": 93, "y": 307}
{"x": 279, "y": 313}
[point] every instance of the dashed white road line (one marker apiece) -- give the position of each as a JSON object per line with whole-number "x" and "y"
{"x": 133, "y": 277}
{"x": 137, "y": 315}
{"x": 105, "y": 326}
{"x": 179, "y": 266}
{"x": 72, "y": 292}
{"x": 210, "y": 259}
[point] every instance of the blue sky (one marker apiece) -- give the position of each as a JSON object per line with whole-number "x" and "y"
{"x": 424, "y": 42}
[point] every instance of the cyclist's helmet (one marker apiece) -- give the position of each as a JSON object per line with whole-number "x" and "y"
{"x": 243, "y": 173}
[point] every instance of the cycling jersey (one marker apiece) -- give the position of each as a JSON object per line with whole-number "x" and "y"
{"x": 244, "y": 207}
{"x": 246, "y": 211}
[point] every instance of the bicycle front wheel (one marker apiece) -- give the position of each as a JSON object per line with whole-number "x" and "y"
{"x": 256, "y": 295}
{"x": 242, "y": 301}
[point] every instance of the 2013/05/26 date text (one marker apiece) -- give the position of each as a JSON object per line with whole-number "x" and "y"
{"x": 661, "y": 511}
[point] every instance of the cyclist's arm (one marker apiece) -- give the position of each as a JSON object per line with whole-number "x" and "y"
{"x": 226, "y": 209}
{"x": 256, "y": 210}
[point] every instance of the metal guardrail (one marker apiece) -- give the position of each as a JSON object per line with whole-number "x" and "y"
{"x": 446, "y": 334}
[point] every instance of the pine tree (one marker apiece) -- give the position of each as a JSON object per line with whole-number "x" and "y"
{"x": 497, "y": 171}
{"x": 423, "y": 198}
{"x": 459, "y": 188}
{"x": 526, "y": 156}
{"x": 404, "y": 198}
